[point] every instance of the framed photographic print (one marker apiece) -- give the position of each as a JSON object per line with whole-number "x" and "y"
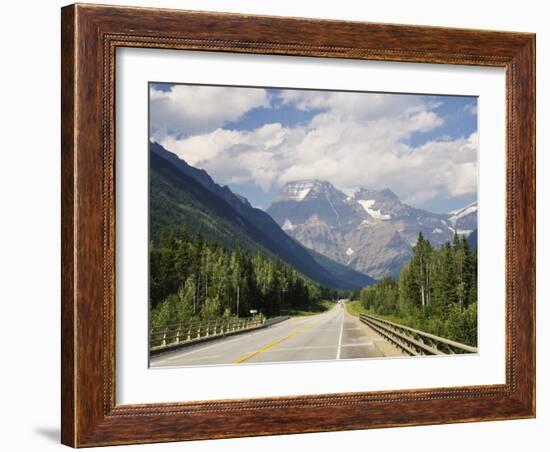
{"x": 282, "y": 225}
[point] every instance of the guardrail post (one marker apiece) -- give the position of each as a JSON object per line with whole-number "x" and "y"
{"x": 413, "y": 341}
{"x": 164, "y": 337}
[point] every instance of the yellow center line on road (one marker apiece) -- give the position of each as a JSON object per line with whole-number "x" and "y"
{"x": 246, "y": 357}
{"x": 264, "y": 348}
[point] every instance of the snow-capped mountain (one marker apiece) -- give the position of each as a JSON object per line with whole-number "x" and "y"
{"x": 297, "y": 191}
{"x": 371, "y": 231}
{"x": 183, "y": 194}
{"x": 464, "y": 220}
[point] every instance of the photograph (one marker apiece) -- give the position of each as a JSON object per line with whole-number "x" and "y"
{"x": 292, "y": 225}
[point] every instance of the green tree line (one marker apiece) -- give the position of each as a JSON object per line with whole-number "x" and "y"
{"x": 436, "y": 292}
{"x": 192, "y": 278}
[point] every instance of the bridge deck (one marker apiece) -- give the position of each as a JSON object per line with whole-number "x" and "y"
{"x": 334, "y": 334}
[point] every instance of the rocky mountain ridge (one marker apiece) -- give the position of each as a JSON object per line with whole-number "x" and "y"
{"x": 372, "y": 231}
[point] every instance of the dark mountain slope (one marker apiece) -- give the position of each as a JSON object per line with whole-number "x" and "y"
{"x": 472, "y": 240}
{"x": 177, "y": 197}
{"x": 343, "y": 272}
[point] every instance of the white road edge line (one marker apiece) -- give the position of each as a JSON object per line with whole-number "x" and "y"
{"x": 339, "y": 351}
{"x": 177, "y": 355}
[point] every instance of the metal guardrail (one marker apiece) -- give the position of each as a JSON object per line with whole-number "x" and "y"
{"x": 186, "y": 332}
{"x": 275, "y": 320}
{"x": 415, "y": 342}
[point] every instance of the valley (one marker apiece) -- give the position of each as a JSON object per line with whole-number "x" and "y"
{"x": 215, "y": 260}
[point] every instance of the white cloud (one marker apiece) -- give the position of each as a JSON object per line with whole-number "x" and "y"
{"x": 352, "y": 143}
{"x": 190, "y": 109}
{"x": 471, "y": 108}
{"x": 446, "y": 168}
{"x": 351, "y": 105}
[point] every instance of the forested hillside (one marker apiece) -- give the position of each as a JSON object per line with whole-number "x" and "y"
{"x": 436, "y": 292}
{"x": 176, "y": 199}
{"x": 181, "y": 194}
{"x": 192, "y": 278}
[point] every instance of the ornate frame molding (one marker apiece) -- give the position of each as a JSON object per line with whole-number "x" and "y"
{"x": 90, "y": 37}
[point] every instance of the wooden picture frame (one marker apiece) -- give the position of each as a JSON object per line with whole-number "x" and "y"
{"x": 90, "y": 36}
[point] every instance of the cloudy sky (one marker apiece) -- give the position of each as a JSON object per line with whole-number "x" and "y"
{"x": 255, "y": 140}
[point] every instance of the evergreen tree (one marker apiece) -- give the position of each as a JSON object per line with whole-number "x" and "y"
{"x": 436, "y": 292}
{"x": 195, "y": 278}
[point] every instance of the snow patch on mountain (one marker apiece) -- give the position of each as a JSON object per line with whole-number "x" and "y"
{"x": 372, "y": 231}
{"x": 460, "y": 213}
{"x": 301, "y": 192}
{"x": 298, "y": 190}
{"x": 367, "y": 205}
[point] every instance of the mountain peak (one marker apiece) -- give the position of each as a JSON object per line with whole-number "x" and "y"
{"x": 182, "y": 194}
{"x": 378, "y": 195}
{"x": 372, "y": 231}
{"x": 470, "y": 207}
{"x": 300, "y": 189}
{"x": 465, "y": 219}
{"x": 388, "y": 193}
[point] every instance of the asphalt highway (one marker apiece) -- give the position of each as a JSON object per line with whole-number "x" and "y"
{"x": 334, "y": 334}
